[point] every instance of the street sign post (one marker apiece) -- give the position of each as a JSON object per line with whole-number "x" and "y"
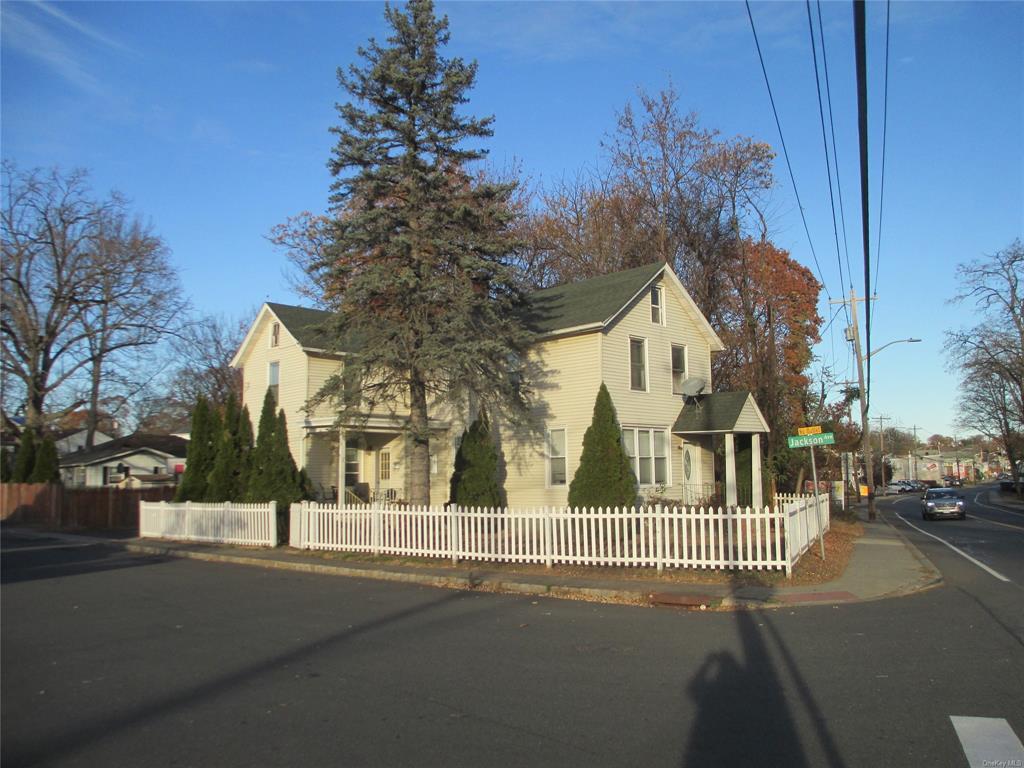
{"x": 808, "y": 438}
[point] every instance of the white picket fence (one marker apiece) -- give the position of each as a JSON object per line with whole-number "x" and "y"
{"x": 805, "y": 521}
{"x": 660, "y": 537}
{"x": 227, "y": 523}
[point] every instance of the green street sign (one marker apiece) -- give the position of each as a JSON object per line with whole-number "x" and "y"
{"x": 806, "y": 441}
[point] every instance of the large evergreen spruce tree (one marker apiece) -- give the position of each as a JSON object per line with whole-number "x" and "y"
{"x": 245, "y": 448}
{"x": 25, "y": 459}
{"x": 202, "y": 448}
{"x": 605, "y": 476}
{"x": 47, "y": 465}
{"x": 475, "y": 480}
{"x": 417, "y": 265}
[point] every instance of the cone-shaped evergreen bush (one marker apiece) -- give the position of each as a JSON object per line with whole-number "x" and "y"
{"x": 223, "y": 480}
{"x": 202, "y": 449}
{"x": 475, "y": 479}
{"x": 25, "y": 460}
{"x": 47, "y": 464}
{"x": 605, "y": 476}
{"x": 260, "y": 486}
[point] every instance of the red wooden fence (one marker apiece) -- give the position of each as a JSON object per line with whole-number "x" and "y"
{"x": 54, "y": 506}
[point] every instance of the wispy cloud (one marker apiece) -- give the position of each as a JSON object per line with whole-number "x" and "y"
{"x": 39, "y": 31}
{"x": 89, "y": 31}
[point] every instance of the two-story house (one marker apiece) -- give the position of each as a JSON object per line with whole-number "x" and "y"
{"x": 638, "y": 331}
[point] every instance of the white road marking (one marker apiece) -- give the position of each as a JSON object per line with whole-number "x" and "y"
{"x": 988, "y": 742}
{"x": 997, "y": 509}
{"x": 955, "y": 549}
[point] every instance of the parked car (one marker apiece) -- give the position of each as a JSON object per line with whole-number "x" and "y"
{"x": 894, "y": 487}
{"x": 952, "y": 481}
{"x": 942, "y": 502}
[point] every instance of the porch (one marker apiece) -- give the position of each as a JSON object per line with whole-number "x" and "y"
{"x": 721, "y": 415}
{"x": 365, "y": 463}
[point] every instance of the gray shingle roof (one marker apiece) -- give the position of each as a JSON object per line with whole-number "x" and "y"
{"x": 587, "y": 302}
{"x": 548, "y": 310}
{"x": 175, "y": 446}
{"x": 717, "y": 412}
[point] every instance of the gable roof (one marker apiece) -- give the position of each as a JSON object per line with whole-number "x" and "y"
{"x": 586, "y": 305}
{"x": 718, "y": 412}
{"x": 169, "y": 445}
{"x": 587, "y": 302}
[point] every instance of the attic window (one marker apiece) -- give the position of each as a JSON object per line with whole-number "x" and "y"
{"x": 657, "y": 306}
{"x": 275, "y": 334}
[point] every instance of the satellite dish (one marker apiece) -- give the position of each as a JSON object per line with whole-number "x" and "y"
{"x": 693, "y": 386}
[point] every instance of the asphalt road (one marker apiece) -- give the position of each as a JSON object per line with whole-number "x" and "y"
{"x": 110, "y": 658}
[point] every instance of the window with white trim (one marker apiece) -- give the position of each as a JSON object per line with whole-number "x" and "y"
{"x": 275, "y": 334}
{"x": 556, "y": 457}
{"x": 638, "y": 364}
{"x": 647, "y": 450}
{"x": 274, "y": 379}
{"x": 385, "y": 465}
{"x": 657, "y": 306}
{"x": 678, "y": 368}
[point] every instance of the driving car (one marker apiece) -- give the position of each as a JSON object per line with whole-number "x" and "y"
{"x": 942, "y": 502}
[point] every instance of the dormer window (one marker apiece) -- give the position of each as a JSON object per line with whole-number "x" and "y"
{"x": 275, "y": 334}
{"x": 657, "y": 309}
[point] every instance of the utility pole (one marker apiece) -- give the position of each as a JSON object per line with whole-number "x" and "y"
{"x": 913, "y": 455}
{"x": 864, "y": 423}
{"x": 881, "y": 444}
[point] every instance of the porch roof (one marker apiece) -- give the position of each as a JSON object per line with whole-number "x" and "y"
{"x": 721, "y": 412}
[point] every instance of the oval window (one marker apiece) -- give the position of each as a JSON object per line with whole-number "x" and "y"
{"x": 687, "y": 464}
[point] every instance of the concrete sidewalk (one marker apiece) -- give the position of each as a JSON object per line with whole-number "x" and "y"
{"x": 883, "y": 564}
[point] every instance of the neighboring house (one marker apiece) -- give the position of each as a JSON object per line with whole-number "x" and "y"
{"x": 638, "y": 331}
{"x": 72, "y": 440}
{"x": 150, "y": 459}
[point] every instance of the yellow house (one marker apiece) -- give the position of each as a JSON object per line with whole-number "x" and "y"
{"x": 638, "y": 331}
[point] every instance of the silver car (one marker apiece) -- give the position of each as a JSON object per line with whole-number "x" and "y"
{"x": 942, "y": 502}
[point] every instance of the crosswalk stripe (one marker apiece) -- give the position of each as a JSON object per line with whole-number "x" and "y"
{"x": 988, "y": 742}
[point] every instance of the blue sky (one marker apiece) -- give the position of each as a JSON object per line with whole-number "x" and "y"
{"x": 212, "y": 118}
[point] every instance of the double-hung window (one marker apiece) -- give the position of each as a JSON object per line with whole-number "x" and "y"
{"x": 638, "y": 364}
{"x": 678, "y": 368}
{"x": 657, "y": 306}
{"x": 647, "y": 450}
{"x": 556, "y": 457}
{"x": 274, "y": 380}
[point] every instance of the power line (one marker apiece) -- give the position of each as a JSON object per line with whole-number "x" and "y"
{"x": 824, "y": 141}
{"x": 860, "y": 45}
{"x": 785, "y": 151}
{"x": 835, "y": 150}
{"x": 885, "y": 126}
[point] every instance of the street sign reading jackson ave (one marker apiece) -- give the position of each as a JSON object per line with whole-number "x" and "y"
{"x": 806, "y": 441}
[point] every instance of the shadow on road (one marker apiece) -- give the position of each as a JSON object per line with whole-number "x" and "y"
{"x": 745, "y": 706}
{"x": 25, "y": 563}
{"x": 89, "y": 731}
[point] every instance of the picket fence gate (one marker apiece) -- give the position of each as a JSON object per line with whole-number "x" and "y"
{"x": 649, "y": 536}
{"x": 226, "y": 523}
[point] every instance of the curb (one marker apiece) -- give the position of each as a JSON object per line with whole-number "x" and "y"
{"x": 466, "y": 583}
{"x": 933, "y": 576}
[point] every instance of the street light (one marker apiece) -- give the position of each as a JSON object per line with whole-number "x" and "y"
{"x": 898, "y": 341}
{"x": 864, "y": 424}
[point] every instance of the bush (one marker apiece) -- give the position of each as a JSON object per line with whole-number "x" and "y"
{"x": 605, "y": 476}
{"x": 47, "y": 464}
{"x": 475, "y": 479}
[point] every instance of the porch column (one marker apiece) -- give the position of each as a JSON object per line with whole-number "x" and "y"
{"x": 341, "y": 467}
{"x": 755, "y": 470}
{"x": 730, "y": 470}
